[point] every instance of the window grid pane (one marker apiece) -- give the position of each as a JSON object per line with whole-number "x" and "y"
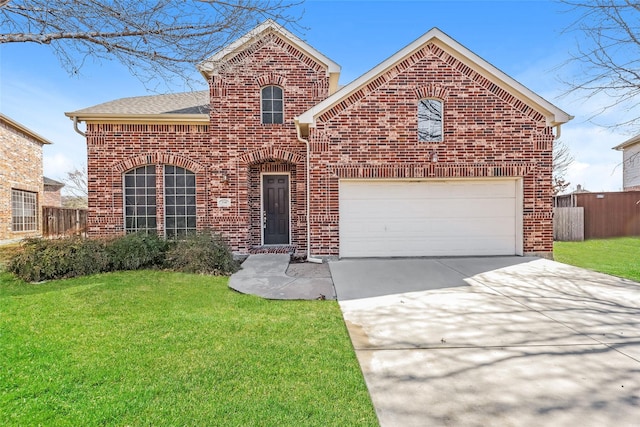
{"x": 180, "y": 210}
{"x": 429, "y": 120}
{"x": 272, "y": 105}
{"x": 24, "y": 210}
{"x": 140, "y": 199}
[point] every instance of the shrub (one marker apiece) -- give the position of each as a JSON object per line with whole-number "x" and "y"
{"x": 137, "y": 250}
{"x": 205, "y": 252}
{"x": 42, "y": 259}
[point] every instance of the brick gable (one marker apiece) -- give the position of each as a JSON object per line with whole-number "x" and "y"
{"x": 487, "y": 133}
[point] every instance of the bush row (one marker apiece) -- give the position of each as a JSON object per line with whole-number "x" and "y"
{"x": 41, "y": 259}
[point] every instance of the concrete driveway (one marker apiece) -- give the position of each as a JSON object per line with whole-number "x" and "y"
{"x": 499, "y": 341}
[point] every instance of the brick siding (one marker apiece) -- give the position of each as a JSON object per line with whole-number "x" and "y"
{"x": 487, "y": 133}
{"x": 373, "y": 133}
{"x": 21, "y": 169}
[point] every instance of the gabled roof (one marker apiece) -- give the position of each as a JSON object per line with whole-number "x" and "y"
{"x": 179, "y": 107}
{"x": 52, "y": 183}
{"x": 7, "y": 121}
{"x": 554, "y": 115}
{"x": 211, "y": 65}
{"x": 628, "y": 143}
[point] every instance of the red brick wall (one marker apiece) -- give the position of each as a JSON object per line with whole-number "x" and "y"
{"x": 487, "y": 132}
{"x": 20, "y": 169}
{"x": 372, "y": 134}
{"x": 228, "y": 155}
{"x": 113, "y": 149}
{"x": 246, "y": 148}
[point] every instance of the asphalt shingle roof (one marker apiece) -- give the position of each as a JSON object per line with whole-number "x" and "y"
{"x": 173, "y": 103}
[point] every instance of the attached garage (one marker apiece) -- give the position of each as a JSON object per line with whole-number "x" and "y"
{"x": 455, "y": 217}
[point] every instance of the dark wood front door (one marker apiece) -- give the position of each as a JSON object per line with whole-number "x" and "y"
{"x": 275, "y": 209}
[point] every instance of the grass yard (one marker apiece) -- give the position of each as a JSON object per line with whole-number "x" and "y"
{"x": 619, "y": 257}
{"x": 166, "y": 349}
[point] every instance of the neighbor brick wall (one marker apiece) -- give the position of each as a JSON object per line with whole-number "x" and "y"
{"x": 20, "y": 168}
{"x": 487, "y": 133}
{"x": 52, "y": 196}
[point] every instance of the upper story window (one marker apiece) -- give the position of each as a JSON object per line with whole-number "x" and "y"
{"x": 24, "y": 210}
{"x": 272, "y": 105}
{"x": 430, "y": 120}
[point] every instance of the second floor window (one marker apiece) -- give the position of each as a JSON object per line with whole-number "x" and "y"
{"x": 272, "y": 105}
{"x": 430, "y": 120}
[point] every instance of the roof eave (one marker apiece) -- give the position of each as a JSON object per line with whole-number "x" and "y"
{"x": 628, "y": 143}
{"x": 139, "y": 118}
{"x": 207, "y": 68}
{"x": 25, "y": 130}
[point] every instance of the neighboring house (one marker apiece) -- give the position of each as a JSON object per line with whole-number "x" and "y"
{"x": 630, "y": 163}
{"x": 21, "y": 185}
{"x": 432, "y": 152}
{"x": 52, "y": 193}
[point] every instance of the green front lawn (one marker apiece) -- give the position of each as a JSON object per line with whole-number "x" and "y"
{"x": 158, "y": 348}
{"x": 619, "y": 257}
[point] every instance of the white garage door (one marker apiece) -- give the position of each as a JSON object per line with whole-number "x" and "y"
{"x": 387, "y": 218}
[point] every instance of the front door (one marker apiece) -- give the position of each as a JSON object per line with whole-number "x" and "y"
{"x": 275, "y": 209}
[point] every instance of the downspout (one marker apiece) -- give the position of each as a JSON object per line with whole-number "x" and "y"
{"x": 558, "y": 132}
{"x": 308, "y": 172}
{"x": 75, "y": 126}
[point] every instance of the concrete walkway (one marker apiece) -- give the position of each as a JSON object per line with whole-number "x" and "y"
{"x": 504, "y": 341}
{"x": 271, "y": 276}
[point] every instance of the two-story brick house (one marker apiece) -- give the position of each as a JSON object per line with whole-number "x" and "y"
{"x": 21, "y": 180}
{"x": 432, "y": 152}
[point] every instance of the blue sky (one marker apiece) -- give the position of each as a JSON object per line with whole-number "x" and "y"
{"x": 522, "y": 38}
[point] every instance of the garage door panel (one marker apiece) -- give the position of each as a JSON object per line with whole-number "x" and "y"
{"x": 396, "y": 229}
{"x": 428, "y": 218}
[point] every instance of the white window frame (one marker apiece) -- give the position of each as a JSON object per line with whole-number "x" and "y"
{"x": 272, "y": 111}
{"x": 24, "y": 210}
{"x": 426, "y": 124}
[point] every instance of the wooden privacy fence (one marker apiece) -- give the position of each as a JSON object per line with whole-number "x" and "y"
{"x": 568, "y": 224}
{"x": 58, "y": 222}
{"x": 605, "y": 214}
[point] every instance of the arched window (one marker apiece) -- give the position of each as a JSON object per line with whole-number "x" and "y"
{"x": 272, "y": 105}
{"x": 430, "y": 120}
{"x": 140, "y": 199}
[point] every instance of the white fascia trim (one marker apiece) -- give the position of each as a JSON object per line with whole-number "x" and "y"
{"x": 554, "y": 115}
{"x": 628, "y": 143}
{"x": 205, "y": 67}
{"x": 139, "y": 118}
{"x": 25, "y": 130}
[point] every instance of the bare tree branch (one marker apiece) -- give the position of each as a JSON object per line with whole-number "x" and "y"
{"x": 608, "y": 54}
{"x": 562, "y": 159}
{"x": 156, "y": 41}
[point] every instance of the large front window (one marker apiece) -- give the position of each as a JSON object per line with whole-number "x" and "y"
{"x": 24, "y": 210}
{"x": 140, "y": 199}
{"x": 272, "y": 105}
{"x": 430, "y": 120}
{"x": 179, "y": 201}
{"x": 141, "y": 212}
